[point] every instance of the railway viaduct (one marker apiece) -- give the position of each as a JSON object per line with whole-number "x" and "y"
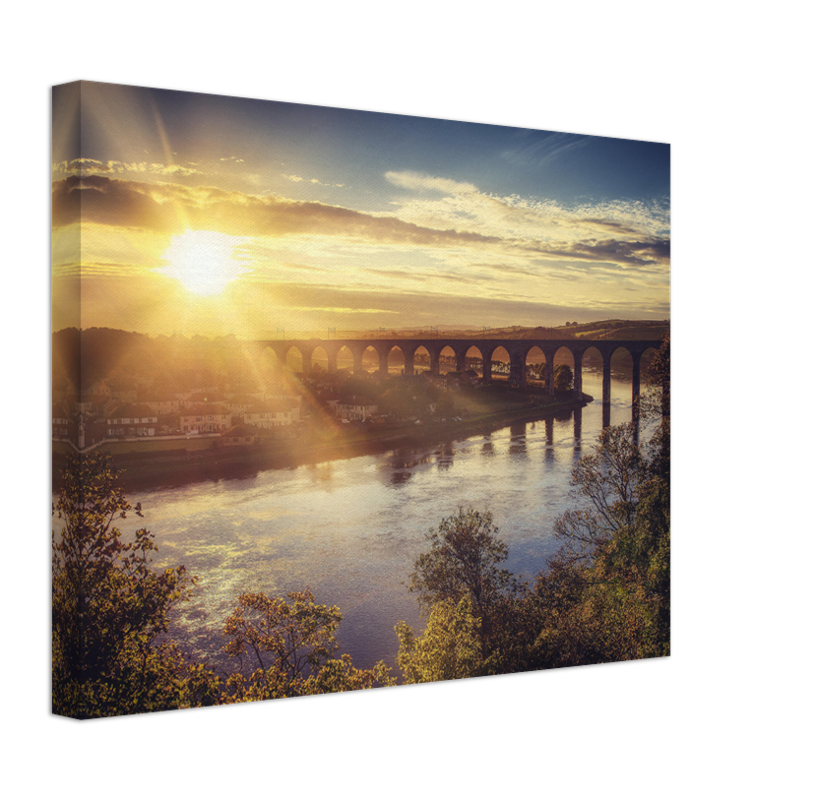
{"x": 518, "y": 350}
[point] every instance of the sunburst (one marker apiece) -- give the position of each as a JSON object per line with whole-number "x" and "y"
{"x": 205, "y": 261}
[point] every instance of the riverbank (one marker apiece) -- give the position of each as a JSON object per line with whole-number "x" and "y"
{"x": 204, "y": 459}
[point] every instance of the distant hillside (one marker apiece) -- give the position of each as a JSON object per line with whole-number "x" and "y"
{"x": 621, "y": 329}
{"x": 604, "y": 329}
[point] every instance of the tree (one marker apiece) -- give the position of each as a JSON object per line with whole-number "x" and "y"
{"x": 606, "y": 595}
{"x": 450, "y": 647}
{"x": 110, "y": 608}
{"x": 564, "y": 379}
{"x": 463, "y": 561}
{"x": 291, "y": 642}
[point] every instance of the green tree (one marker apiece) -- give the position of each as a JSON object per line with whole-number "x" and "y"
{"x": 464, "y": 561}
{"x": 564, "y": 379}
{"x": 449, "y": 648}
{"x": 606, "y": 595}
{"x": 291, "y": 642}
{"x": 110, "y": 608}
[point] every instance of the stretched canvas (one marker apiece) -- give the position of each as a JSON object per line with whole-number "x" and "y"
{"x": 348, "y": 400}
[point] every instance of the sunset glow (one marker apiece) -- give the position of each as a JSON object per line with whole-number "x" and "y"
{"x": 204, "y": 261}
{"x": 313, "y": 218}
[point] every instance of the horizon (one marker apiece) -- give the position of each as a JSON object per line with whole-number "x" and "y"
{"x": 484, "y": 333}
{"x": 209, "y": 215}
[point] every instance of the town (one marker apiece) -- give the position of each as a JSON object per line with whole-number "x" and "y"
{"x": 136, "y": 395}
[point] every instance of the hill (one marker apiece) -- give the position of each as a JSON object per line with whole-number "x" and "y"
{"x": 603, "y": 329}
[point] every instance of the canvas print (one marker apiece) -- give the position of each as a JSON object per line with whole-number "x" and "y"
{"x": 349, "y": 400}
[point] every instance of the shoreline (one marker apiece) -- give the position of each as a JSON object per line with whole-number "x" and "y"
{"x": 181, "y": 466}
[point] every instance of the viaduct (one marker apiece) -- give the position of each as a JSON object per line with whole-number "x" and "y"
{"x": 518, "y": 350}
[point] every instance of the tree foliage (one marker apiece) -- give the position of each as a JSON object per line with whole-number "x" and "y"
{"x": 463, "y": 562}
{"x": 291, "y": 642}
{"x": 564, "y": 378}
{"x": 110, "y": 608}
{"x": 449, "y": 648}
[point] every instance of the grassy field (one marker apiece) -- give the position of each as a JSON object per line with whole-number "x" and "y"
{"x": 157, "y": 445}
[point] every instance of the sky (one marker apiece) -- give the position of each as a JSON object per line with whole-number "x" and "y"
{"x": 175, "y": 212}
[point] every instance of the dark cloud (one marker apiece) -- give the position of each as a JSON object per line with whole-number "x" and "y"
{"x": 169, "y": 208}
{"x": 639, "y": 253}
{"x": 95, "y": 198}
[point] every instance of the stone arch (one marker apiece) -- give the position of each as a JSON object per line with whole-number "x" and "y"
{"x": 370, "y": 359}
{"x": 472, "y": 361}
{"x": 446, "y": 358}
{"x": 396, "y": 361}
{"x": 566, "y": 356}
{"x": 269, "y": 360}
{"x": 319, "y": 360}
{"x": 422, "y": 359}
{"x": 534, "y": 362}
{"x": 292, "y": 358}
{"x": 344, "y": 358}
{"x": 500, "y": 361}
{"x": 593, "y": 358}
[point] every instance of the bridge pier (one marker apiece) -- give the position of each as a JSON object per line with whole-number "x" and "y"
{"x": 578, "y": 375}
{"x": 434, "y": 363}
{"x": 607, "y": 380}
{"x": 517, "y": 370}
{"x": 409, "y": 366}
{"x": 549, "y": 374}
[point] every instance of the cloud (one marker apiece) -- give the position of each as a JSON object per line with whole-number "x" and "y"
{"x": 105, "y": 201}
{"x": 419, "y": 182}
{"x": 496, "y": 246}
{"x": 544, "y": 147}
{"x": 638, "y": 253}
{"x": 91, "y": 166}
{"x": 622, "y": 232}
{"x": 172, "y": 208}
{"x": 299, "y": 179}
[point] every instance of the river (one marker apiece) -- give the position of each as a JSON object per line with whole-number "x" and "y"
{"x": 351, "y": 529}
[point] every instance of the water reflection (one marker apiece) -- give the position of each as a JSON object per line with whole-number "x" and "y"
{"x": 444, "y": 457}
{"x": 517, "y": 439}
{"x": 398, "y": 479}
{"x": 578, "y": 429}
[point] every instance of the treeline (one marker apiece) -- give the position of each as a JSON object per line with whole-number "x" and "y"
{"x": 94, "y": 353}
{"x": 604, "y": 597}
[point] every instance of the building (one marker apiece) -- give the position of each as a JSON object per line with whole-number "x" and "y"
{"x": 131, "y": 420}
{"x": 273, "y": 414}
{"x": 239, "y": 435}
{"x": 355, "y": 408}
{"x": 205, "y": 418}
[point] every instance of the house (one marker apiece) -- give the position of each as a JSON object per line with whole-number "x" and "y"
{"x": 355, "y": 408}
{"x": 161, "y": 402}
{"x": 273, "y": 414}
{"x": 239, "y": 435}
{"x": 205, "y": 418}
{"x": 123, "y": 390}
{"x": 60, "y": 423}
{"x": 131, "y": 420}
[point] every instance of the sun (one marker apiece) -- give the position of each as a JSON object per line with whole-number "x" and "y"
{"x": 204, "y": 261}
